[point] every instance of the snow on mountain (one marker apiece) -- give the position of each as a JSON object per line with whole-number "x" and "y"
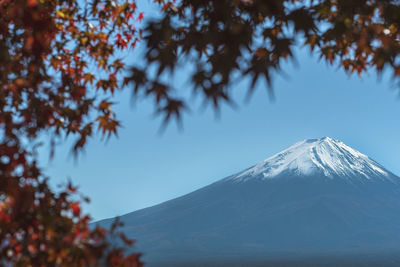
{"x": 318, "y": 197}
{"x": 317, "y": 156}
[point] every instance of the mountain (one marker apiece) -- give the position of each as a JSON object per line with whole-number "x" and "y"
{"x": 318, "y": 199}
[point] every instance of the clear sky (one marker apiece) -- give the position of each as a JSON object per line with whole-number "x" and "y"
{"x": 142, "y": 168}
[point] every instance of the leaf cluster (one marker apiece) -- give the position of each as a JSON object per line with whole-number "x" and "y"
{"x": 227, "y": 41}
{"x": 58, "y": 66}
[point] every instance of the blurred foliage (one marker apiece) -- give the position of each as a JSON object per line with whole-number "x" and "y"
{"x": 58, "y": 65}
{"x": 226, "y": 41}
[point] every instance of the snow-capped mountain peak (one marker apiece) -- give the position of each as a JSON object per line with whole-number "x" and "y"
{"x": 324, "y": 156}
{"x": 317, "y": 199}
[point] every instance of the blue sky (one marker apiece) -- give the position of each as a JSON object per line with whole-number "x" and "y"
{"x": 142, "y": 168}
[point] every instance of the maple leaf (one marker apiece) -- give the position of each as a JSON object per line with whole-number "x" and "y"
{"x": 140, "y": 17}
{"x": 76, "y": 209}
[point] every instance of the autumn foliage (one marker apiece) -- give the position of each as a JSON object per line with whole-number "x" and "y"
{"x": 222, "y": 42}
{"x": 61, "y": 61}
{"x": 58, "y": 66}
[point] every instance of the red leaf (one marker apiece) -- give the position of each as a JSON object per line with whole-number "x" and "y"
{"x": 76, "y": 209}
{"x": 140, "y": 17}
{"x": 32, "y": 3}
{"x": 128, "y": 15}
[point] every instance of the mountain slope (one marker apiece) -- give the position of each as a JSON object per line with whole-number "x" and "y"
{"x": 317, "y": 196}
